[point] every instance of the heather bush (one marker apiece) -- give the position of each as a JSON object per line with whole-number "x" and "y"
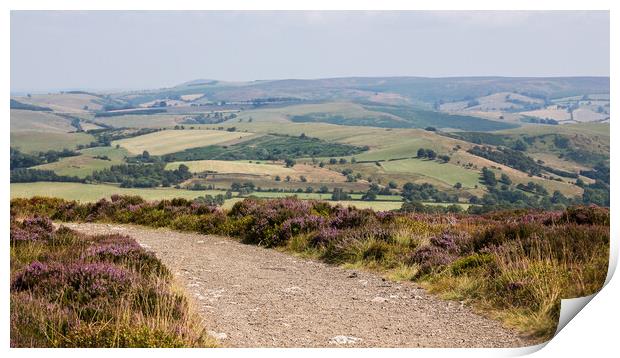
{"x": 74, "y": 290}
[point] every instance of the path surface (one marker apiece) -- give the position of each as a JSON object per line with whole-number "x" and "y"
{"x": 254, "y": 297}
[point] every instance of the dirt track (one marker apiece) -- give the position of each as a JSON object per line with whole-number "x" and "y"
{"x": 254, "y": 297}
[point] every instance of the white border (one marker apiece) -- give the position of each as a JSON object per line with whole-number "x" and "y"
{"x": 592, "y": 332}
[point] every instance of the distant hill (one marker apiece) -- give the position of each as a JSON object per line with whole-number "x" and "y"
{"x": 421, "y": 90}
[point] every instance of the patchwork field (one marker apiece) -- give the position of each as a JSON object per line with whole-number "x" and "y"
{"x": 171, "y": 141}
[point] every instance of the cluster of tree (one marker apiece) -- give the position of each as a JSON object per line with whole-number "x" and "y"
{"x": 427, "y": 153}
{"x": 597, "y": 192}
{"x": 209, "y": 118}
{"x": 599, "y": 172}
{"x": 533, "y": 188}
{"x": 509, "y": 157}
{"x": 142, "y": 112}
{"x": 141, "y": 175}
{"x": 530, "y": 119}
{"x": 25, "y": 160}
{"x": 258, "y": 102}
{"x": 268, "y": 147}
{"x": 243, "y": 188}
{"x": 419, "y": 207}
{"x": 24, "y": 175}
{"x": 217, "y": 200}
{"x": 105, "y": 136}
{"x": 524, "y": 105}
{"x": 374, "y": 190}
{"x": 425, "y": 192}
{"x": 340, "y": 194}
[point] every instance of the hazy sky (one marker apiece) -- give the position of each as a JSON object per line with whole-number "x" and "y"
{"x": 128, "y": 50}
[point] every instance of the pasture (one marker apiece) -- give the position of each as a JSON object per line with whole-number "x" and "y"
{"x": 171, "y": 141}
{"x": 39, "y": 121}
{"x": 446, "y": 172}
{"x": 94, "y": 192}
{"x": 35, "y": 141}
{"x": 89, "y": 160}
{"x": 262, "y": 168}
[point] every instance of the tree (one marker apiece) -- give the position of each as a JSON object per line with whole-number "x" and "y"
{"x": 303, "y": 179}
{"x": 392, "y": 184}
{"x": 520, "y": 146}
{"x": 289, "y": 162}
{"x": 458, "y": 185}
{"x": 146, "y": 155}
{"x": 505, "y": 179}
{"x": 431, "y": 154}
{"x": 421, "y": 153}
{"x": 278, "y": 178}
{"x": 339, "y": 194}
{"x": 488, "y": 177}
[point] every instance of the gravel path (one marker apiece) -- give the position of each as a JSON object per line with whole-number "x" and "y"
{"x": 254, "y": 297}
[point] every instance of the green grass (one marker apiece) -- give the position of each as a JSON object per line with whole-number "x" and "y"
{"x": 94, "y": 192}
{"x": 31, "y": 141}
{"x": 85, "y": 163}
{"x": 445, "y": 172}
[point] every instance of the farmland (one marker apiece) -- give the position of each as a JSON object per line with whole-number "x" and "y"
{"x": 89, "y": 160}
{"x": 307, "y": 139}
{"x": 35, "y": 141}
{"x": 170, "y": 141}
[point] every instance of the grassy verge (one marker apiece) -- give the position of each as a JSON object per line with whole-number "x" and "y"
{"x": 73, "y": 290}
{"x": 515, "y": 266}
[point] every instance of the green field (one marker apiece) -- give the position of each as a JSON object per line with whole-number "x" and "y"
{"x": 94, "y": 192}
{"x": 33, "y": 141}
{"x": 445, "y": 172}
{"x": 171, "y": 141}
{"x": 85, "y": 163}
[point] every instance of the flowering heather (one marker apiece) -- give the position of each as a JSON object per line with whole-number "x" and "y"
{"x": 78, "y": 280}
{"x": 301, "y": 224}
{"x": 32, "y": 229}
{"x": 114, "y": 245}
{"x": 325, "y": 235}
{"x": 93, "y": 291}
